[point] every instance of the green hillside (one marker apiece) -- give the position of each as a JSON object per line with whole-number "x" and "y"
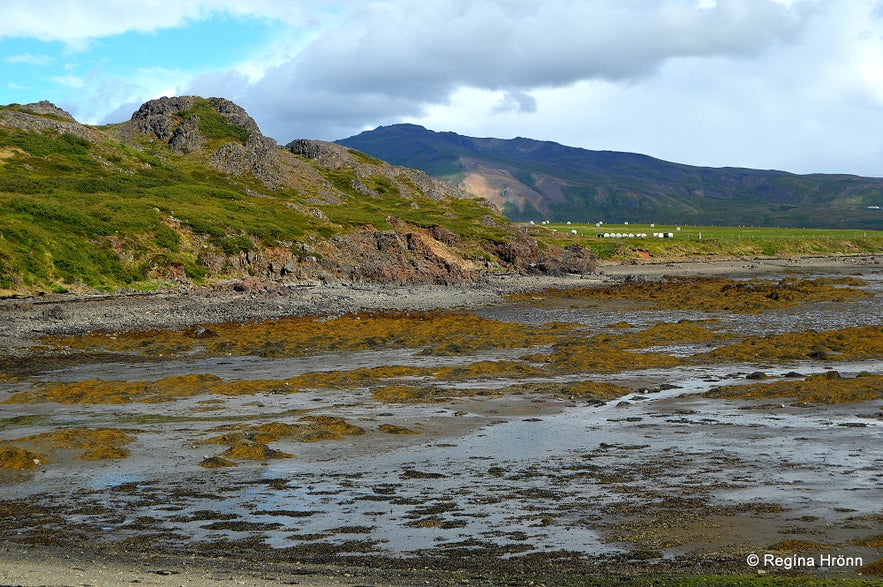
{"x": 189, "y": 191}
{"x": 537, "y": 180}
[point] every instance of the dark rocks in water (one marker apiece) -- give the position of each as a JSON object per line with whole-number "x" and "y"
{"x": 757, "y": 375}
{"x": 830, "y": 375}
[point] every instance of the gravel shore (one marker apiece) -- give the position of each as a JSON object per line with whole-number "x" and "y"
{"x": 24, "y": 320}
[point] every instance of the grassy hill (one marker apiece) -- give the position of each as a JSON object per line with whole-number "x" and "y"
{"x": 189, "y": 191}
{"x": 535, "y": 180}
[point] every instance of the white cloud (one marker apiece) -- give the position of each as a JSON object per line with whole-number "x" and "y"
{"x": 70, "y": 81}
{"x": 794, "y": 84}
{"x": 75, "y": 22}
{"x": 812, "y": 105}
{"x": 394, "y": 59}
{"x": 517, "y": 101}
{"x": 29, "y": 59}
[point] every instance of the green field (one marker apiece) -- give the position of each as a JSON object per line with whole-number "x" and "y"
{"x": 709, "y": 240}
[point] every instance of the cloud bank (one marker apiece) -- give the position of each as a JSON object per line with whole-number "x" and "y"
{"x": 387, "y": 60}
{"x": 788, "y": 84}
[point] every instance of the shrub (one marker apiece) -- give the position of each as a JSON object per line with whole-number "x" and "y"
{"x": 234, "y": 244}
{"x": 167, "y": 238}
{"x": 41, "y": 145}
{"x": 213, "y": 124}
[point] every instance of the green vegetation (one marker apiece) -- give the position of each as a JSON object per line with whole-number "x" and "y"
{"x": 42, "y": 145}
{"x": 582, "y": 185}
{"x": 110, "y": 207}
{"x": 689, "y": 241}
{"x": 364, "y": 157}
{"x": 122, "y": 210}
{"x": 212, "y": 123}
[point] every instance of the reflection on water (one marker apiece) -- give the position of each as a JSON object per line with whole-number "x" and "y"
{"x": 529, "y": 472}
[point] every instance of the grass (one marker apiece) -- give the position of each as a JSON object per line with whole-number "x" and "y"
{"x": 124, "y": 211}
{"x": 710, "y": 240}
{"x": 108, "y": 214}
{"x": 212, "y": 123}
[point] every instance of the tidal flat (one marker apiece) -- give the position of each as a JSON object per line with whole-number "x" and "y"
{"x": 660, "y": 424}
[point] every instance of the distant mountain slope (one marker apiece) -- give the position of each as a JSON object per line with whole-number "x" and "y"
{"x": 189, "y": 191}
{"x": 532, "y": 180}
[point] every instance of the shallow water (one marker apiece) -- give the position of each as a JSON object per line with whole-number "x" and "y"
{"x": 527, "y": 472}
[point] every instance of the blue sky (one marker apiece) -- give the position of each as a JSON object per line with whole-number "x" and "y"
{"x": 785, "y": 84}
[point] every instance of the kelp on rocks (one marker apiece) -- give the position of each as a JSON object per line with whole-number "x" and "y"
{"x": 441, "y": 333}
{"x": 843, "y": 344}
{"x": 18, "y": 459}
{"x": 825, "y": 388}
{"x": 96, "y": 444}
{"x": 714, "y": 293}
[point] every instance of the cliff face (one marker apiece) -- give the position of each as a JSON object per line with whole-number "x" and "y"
{"x": 189, "y": 190}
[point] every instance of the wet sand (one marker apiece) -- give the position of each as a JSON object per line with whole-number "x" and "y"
{"x": 533, "y": 485}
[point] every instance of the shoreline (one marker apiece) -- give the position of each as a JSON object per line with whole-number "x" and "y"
{"x": 51, "y": 566}
{"x": 25, "y": 319}
{"x": 236, "y": 564}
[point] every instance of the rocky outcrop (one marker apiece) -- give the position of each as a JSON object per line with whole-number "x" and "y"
{"x": 236, "y": 116}
{"x": 524, "y": 255}
{"x": 405, "y": 254}
{"x": 570, "y": 259}
{"x": 308, "y": 149}
{"x": 44, "y": 116}
{"x": 154, "y": 117}
{"x": 47, "y": 108}
{"x": 256, "y": 157}
{"x": 337, "y": 156}
{"x": 162, "y": 118}
{"x": 186, "y": 138}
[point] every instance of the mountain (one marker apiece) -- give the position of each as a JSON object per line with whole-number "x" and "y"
{"x": 533, "y": 180}
{"x": 190, "y": 191}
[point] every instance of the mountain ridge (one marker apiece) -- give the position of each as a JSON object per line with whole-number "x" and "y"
{"x": 189, "y": 191}
{"x": 531, "y": 180}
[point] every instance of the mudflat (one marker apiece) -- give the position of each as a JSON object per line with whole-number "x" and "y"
{"x": 677, "y": 417}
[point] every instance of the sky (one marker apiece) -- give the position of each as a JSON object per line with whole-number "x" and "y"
{"x": 795, "y": 85}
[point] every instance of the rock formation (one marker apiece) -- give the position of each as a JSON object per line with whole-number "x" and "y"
{"x": 348, "y": 217}
{"x": 164, "y": 118}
